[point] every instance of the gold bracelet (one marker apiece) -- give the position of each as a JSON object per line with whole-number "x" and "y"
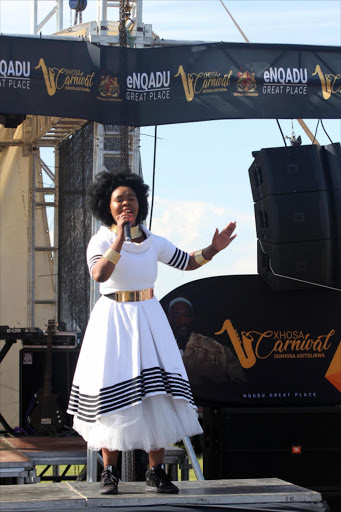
{"x": 112, "y": 256}
{"x": 199, "y": 258}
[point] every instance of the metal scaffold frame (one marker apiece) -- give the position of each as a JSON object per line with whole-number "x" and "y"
{"x": 49, "y": 132}
{"x": 56, "y": 10}
{"x": 38, "y": 132}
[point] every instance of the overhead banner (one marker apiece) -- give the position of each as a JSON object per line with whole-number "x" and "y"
{"x": 246, "y": 345}
{"x": 154, "y": 86}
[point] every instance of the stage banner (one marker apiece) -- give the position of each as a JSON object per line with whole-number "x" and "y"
{"x": 153, "y": 86}
{"x": 245, "y": 345}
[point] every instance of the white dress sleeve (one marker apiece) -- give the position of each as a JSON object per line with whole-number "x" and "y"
{"x": 96, "y": 248}
{"x": 169, "y": 254}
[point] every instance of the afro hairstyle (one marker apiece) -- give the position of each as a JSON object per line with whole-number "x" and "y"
{"x": 100, "y": 191}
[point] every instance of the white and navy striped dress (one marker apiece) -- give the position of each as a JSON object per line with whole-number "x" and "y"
{"x": 130, "y": 388}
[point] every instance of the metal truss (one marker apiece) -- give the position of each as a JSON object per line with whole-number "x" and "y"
{"x": 51, "y": 131}
{"x": 48, "y": 132}
{"x": 56, "y": 11}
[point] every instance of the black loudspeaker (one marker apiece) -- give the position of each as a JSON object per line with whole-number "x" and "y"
{"x": 32, "y": 379}
{"x": 287, "y": 170}
{"x": 332, "y": 157}
{"x": 297, "y": 194}
{"x": 332, "y": 161}
{"x": 310, "y": 261}
{"x": 12, "y": 120}
{"x": 299, "y": 445}
{"x": 288, "y": 218}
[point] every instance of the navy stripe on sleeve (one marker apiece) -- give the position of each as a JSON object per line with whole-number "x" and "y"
{"x": 93, "y": 260}
{"x": 179, "y": 259}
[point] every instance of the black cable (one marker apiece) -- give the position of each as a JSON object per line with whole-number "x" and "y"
{"x": 326, "y": 132}
{"x": 280, "y": 129}
{"x": 294, "y": 278}
{"x": 7, "y": 427}
{"x": 153, "y": 183}
{"x": 316, "y": 131}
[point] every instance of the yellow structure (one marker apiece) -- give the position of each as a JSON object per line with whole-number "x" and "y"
{"x": 28, "y": 258}
{"x": 28, "y": 262}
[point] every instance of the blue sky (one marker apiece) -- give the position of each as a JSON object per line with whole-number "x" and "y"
{"x": 202, "y": 168}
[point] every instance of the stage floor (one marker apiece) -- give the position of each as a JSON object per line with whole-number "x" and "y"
{"x": 269, "y": 494}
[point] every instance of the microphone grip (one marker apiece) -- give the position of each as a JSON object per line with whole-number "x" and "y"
{"x": 127, "y": 232}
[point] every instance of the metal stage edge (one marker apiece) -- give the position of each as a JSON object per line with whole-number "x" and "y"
{"x": 248, "y": 494}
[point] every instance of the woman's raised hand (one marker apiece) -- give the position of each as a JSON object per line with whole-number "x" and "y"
{"x": 223, "y": 239}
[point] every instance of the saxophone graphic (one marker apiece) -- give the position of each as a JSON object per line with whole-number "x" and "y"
{"x": 243, "y": 349}
{"x": 325, "y": 82}
{"x": 49, "y": 76}
{"x": 187, "y": 83}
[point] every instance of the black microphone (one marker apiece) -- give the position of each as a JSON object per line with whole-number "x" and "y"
{"x": 127, "y": 232}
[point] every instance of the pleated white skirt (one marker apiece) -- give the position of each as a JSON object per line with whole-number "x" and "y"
{"x": 130, "y": 388}
{"x": 155, "y": 423}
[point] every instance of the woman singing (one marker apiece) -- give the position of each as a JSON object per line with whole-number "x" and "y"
{"x": 130, "y": 389}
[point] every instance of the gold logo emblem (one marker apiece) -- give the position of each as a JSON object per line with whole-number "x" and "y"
{"x": 279, "y": 345}
{"x": 328, "y": 82}
{"x": 71, "y": 79}
{"x": 203, "y": 82}
{"x": 246, "y": 84}
{"x": 108, "y": 87}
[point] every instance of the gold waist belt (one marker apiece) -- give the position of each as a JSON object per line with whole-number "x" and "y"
{"x": 132, "y": 296}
